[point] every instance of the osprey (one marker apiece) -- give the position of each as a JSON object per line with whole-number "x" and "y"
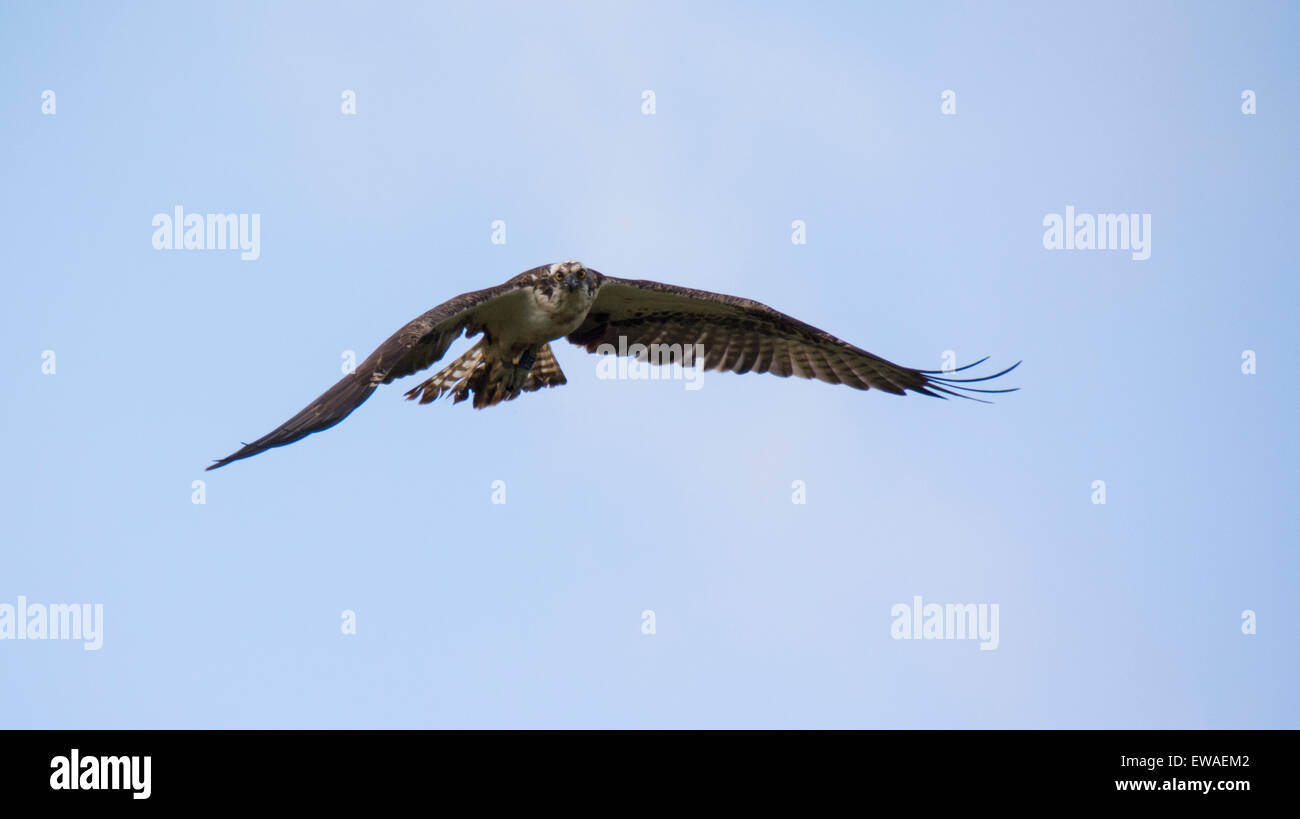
{"x": 519, "y": 319}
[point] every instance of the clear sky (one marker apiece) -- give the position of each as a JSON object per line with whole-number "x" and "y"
{"x": 924, "y": 234}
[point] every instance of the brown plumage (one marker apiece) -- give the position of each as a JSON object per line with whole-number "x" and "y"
{"x": 518, "y": 318}
{"x": 740, "y": 335}
{"x": 474, "y": 372}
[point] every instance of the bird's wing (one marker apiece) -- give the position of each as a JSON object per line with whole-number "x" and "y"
{"x": 412, "y": 348}
{"x": 739, "y": 335}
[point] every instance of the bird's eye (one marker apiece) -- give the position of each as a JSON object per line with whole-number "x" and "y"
{"x": 559, "y": 277}
{"x": 582, "y": 274}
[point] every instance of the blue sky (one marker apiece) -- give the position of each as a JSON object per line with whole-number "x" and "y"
{"x": 924, "y": 234}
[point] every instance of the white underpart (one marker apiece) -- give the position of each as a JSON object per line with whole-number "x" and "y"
{"x": 524, "y": 320}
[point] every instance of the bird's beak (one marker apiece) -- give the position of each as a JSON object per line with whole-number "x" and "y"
{"x": 572, "y": 284}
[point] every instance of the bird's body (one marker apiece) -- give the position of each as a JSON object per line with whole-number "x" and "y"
{"x": 530, "y": 317}
{"x": 519, "y": 318}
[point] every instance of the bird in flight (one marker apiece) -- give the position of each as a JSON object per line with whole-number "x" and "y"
{"x": 519, "y": 319}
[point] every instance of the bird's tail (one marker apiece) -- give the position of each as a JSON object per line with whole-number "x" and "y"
{"x": 480, "y": 374}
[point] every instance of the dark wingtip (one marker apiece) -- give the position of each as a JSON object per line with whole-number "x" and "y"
{"x": 244, "y": 452}
{"x": 957, "y": 386}
{"x": 959, "y": 369}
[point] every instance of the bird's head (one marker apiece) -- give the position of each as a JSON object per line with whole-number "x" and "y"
{"x": 572, "y": 277}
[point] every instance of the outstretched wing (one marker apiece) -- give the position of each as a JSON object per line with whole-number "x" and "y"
{"x": 412, "y": 348}
{"x": 739, "y": 335}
